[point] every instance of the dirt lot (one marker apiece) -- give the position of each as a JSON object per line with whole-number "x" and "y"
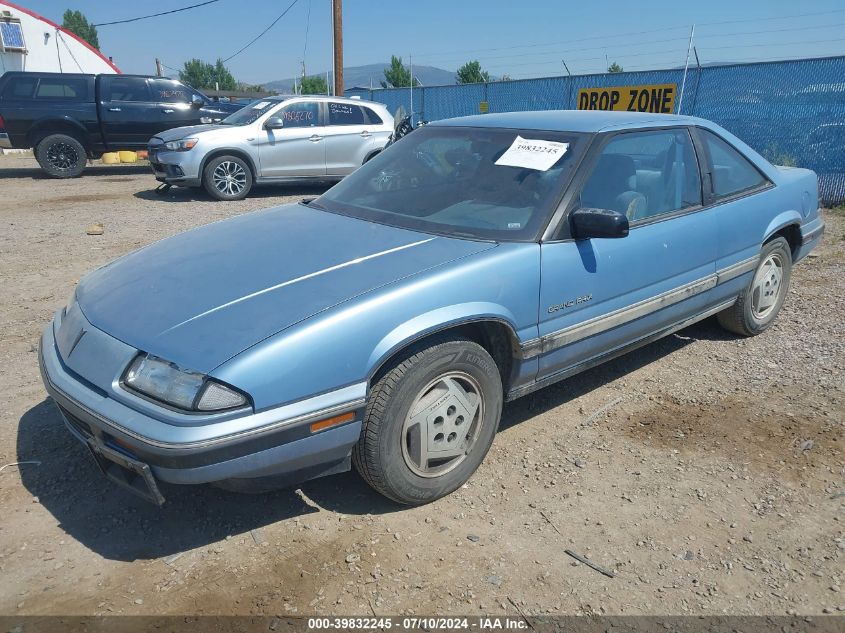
{"x": 706, "y": 470}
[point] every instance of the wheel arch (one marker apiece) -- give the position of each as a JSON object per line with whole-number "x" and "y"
{"x": 788, "y": 226}
{"x": 43, "y": 128}
{"x": 372, "y": 154}
{"x": 229, "y": 151}
{"x": 493, "y": 330}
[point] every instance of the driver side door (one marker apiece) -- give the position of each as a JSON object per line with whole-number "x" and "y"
{"x": 298, "y": 149}
{"x": 600, "y": 294}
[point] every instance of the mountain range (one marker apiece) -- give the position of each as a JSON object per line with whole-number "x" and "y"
{"x": 364, "y": 76}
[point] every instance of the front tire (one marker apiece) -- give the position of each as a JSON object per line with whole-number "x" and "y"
{"x": 759, "y": 304}
{"x": 61, "y": 156}
{"x": 227, "y": 178}
{"x": 430, "y": 421}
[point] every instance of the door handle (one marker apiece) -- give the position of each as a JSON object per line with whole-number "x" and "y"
{"x": 114, "y": 109}
{"x": 314, "y": 138}
{"x": 167, "y": 110}
{"x": 365, "y": 134}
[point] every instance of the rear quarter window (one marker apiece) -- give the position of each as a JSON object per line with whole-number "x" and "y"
{"x": 371, "y": 117}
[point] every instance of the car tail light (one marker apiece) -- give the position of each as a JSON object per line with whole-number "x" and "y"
{"x": 2, "y": 123}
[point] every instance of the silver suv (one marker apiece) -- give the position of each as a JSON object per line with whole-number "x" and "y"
{"x": 278, "y": 139}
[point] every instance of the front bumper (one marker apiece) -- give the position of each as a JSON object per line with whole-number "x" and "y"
{"x": 277, "y": 442}
{"x": 175, "y": 168}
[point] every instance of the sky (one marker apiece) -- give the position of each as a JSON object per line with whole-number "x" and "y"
{"x": 528, "y": 38}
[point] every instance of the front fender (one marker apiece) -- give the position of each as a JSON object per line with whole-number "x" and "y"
{"x": 435, "y": 321}
{"x": 345, "y": 345}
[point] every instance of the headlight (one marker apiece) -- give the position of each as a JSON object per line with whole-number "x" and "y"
{"x": 180, "y": 146}
{"x": 190, "y": 390}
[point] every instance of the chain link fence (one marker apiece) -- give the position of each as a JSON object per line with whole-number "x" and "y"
{"x": 792, "y": 112}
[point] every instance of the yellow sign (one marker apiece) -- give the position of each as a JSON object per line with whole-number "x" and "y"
{"x": 483, "y": 107}
{"x": 651, "y": 98}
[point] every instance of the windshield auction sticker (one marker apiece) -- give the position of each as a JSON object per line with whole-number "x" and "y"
{"x": 533, "y": 154}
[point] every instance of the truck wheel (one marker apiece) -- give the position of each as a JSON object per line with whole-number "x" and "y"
{"x": 61, "y": 156}
{"x": 227, "y": 178}
{"x": 430, "y": 420}
{"x": 758, "y": 305}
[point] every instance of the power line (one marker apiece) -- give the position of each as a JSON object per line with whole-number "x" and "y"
{"x": 260, "y": 35}
{"x": 555, "y": 60}
{"x": 440, "y": 54}
{"x": 155, "y": 15}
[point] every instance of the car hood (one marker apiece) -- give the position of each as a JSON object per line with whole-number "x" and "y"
{"x": 177, "y": 133}
{"x": 201, "y": 297}
{"x": 222, "y": 106}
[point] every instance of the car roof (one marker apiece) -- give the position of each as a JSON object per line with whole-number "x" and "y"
{"x": 590, "y": 121}
{"x": 324, "y": 98}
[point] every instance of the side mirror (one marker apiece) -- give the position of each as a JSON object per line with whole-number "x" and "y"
{"x": 197, "y": 101}
{"x": 274, "y": 123}
{"x": 587, "y": 223}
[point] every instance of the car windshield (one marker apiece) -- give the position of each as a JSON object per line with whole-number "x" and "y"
{"x": 474, "y": 182}
{"x": 250, "y": 112}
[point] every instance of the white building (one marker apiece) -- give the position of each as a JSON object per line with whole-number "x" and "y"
{"x": 30, "y": 42}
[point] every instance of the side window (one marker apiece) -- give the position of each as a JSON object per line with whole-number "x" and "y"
{"x": 20, "y": 88}
{"x": 70, "y": 88}
{"x": 127, "y": 89}
{"x": 732, "y": 172}
{"x": 645, "y": 174}
{"x": 304, "y": 114}
{"x": 345, "y": 114}
{"x": 371, "y": 117}
{"x": 168, "y": 91}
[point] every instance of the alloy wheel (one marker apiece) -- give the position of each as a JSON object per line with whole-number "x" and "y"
{"x": 62, "y": 156}
{"x": 229, "y": 178}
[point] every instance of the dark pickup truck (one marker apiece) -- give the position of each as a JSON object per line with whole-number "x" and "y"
{"x": 68, "y": 118}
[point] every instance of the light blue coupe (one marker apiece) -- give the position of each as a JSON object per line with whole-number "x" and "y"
{"x": 384, "y": 323}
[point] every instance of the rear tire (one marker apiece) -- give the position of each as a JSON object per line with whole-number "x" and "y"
{"x": 227, "y": 178}
{"x": 759, "y": 304}
{"x": 61, "y": 156}
{"x": 430, "y": 420}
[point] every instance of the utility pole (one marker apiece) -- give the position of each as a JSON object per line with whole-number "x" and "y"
{"x": 159, "y": 73}
{"x": 337, "y": 45}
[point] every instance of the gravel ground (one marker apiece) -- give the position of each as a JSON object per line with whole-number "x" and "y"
{"x": 705, "y": 470}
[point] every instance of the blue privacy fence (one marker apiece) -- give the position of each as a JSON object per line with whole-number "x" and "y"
{"x": 792, "y": 112}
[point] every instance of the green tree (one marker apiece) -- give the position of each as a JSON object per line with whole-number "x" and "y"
{"x": 615, "y": 68}
{"x": 77, "y": 23}
{"x": 250, "y": 87}
{"x": 471, "y": 73}
{"x": 314, "y": 85}
{"x": 397, "y": 76}
{"x": 200, "y": 74}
